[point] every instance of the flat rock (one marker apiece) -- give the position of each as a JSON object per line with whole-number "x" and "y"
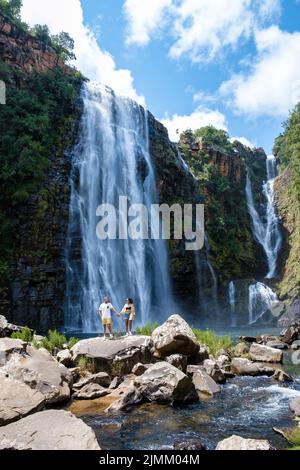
{"x": 204, "y": 383}
{"x": 175, "y": 337}
{"x": 48, "y": 430}
{"x": 130, "y": 398}
{"x": 295, "y": 405}
{"x": 91, "y": 391}
{"x": 17, "y": 400}
{"x": 164, "y": 383}
{"x": 242, "y": 366}
{"x": 41, "y": 372}
{"x": 102, "y": 379}
{"x": 239, "y": 443}
{"x": 277, "y": 345}
{"x": 261, "y": 353}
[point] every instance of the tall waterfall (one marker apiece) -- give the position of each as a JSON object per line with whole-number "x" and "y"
{"x": 261, "y": 300}
{"x": 266, "y": 229}
{"x": 111, "y": 160}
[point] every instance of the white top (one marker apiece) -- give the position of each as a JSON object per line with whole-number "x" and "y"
{"x": 105, "y": 310}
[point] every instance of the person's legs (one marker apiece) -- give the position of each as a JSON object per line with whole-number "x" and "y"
{"x": 104, "y": 329}
{"x": 130, "y": 327}
{"x": 110, "y": 328}
{"x": 126, "y": 325}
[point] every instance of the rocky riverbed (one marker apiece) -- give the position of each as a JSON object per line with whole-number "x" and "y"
{"x": 159, "y": 392}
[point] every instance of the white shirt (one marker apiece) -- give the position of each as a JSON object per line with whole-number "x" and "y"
{"x": 105, "y": 310}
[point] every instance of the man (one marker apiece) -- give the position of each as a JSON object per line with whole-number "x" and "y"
{"x": 105, "y": 310}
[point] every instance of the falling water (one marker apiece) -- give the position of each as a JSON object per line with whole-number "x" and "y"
{"x": 266, "y": 229}
{"x": 261, "y": 300}
{"x": 111, "y": 160}
{"x": 232, "y": 302}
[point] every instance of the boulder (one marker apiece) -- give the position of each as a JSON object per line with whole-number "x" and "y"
{"x": 164, "y": 383}
{"x": 3, "y": 326}
{"x": 48, "y": 430}
{"x": 102, "y": 379}
{"x": 296, "y": 345}
{"x": 10, "y": 346}
{"x": 200, "y": 357}
{"x": 291, "y": 333}
{"x": 191, "y": 369}
{"x": 247, "y": 339}
{"x": 212, "y": 368}
{"x": 178, "y": 360}
{"x": 64, "y": 357}
{"x": 262, "y": 353}
{"x": 90, "y": 392}
{"x": 204, "y": 383}
{"x": 241, "y": 349}
{"x": 116, "y": 357}
{"x": 175, "y": 337}
{"x": 242, "y": 366}
{"x": 223, "y": 361}
{"x": 17, "y": 400}
{"x": 41, "y": 372}
{"x": 282, "y": 376}
{"x": 277, "y": 345}
{"x": 239, "y": 443}
{"x": 192, "y": 444}
{"x": 139, "y": 369}
{"x": 116, "y": 382}
{"x": 130, "y": 398}
{"x": 295, "y": 406}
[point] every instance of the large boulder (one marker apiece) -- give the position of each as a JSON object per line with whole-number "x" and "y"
{"x": 242, "y": 366}
{"x": 17, "y": 400}
{"x": 239, "y": 443}
{"x": 212, "y": 368}
{"x": 116, "y": 357}
{"x": 164, "y": 383}
{"x": 48, "y": 430}
{"x": 102, "y": 379}
{"x": 10, "y": 346}
{"x": 175, "y": 337}
{"x": 291, "y": 333}
{"x": 130, "y": 398}
{"x": 178, "y": 360}
{"x": 39, "y": 370}
{"x": 204, "y": 383}
{"x": 261, "y": 353}
{"x": 90, "y": 392}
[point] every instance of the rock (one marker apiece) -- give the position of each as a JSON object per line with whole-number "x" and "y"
{"x": 48, "y": 430}
{"x": 65, "y": 357}
{"x": 223, "y": 361}
{"x": 164, "y": 383}
{"x": 204, "y": 383}
{"x": 90, "y": 392}
{"x": 130, "y": 398}
{"x": 3, "y": 326}
{"x": 291, "y": 333}
{"x": 41, "y": 372}
{"x": 139, "y": 369}
{"x": 239, "y": 443}
{"x": 116, "y": 382}
{"x": 17, "y": 400}
{"x": 175, "y": 337}
{"x": 282, "y": 376}
{"x": 296, "y": 345}
{"x": 75, "y": 372}
{"x": 295, "y": 406}
{"x": 241, "y": 349}
{"x": 10, "y": 346}
{"x": 213, "y": 370}
{"x": 178, "y": 360}
{"x": 116, "y": 357}
{"x": 200, "y": 357}
{"x": 193, "y": 444}
{"x": 247, "y": 339}
{"x": 242, "y": 366}
{"x": 265, "y": 354}
{"x": 38, "y": 338}
{"x": 277, "y": 345}
{"x": 102, "y": 379}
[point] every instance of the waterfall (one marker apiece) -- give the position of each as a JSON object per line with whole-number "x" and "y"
{"x": 261, "y": 300}
{"x": 266, "y": 229}
{"x": 232, "y": 302}
{"x": 211, "y": 270}
{"x": 111, "y": 160}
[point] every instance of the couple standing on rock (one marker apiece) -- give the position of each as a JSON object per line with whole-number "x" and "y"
{"x": 105, "y": 312}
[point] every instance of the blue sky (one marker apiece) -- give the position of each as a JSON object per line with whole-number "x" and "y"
{"x": 231, "y": 63}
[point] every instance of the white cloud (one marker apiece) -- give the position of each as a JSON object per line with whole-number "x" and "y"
{"x": 204, "y": 97}
{"x": 243, "y": 141}
{"x": 200, "y": 29}
{"x": 199, "y": 118}
{"x": 96, "y": 64}
{"x": 272, "y": 87}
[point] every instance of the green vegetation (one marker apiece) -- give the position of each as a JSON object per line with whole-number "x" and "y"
{"x": 147, "y": 329}
{"x": 26, "y": 334}
{"x": 72, "y": 342}
{"x": 86, "y": 364}
{"x": 54, "y": 340}
{"x": 215, "y": 343}
{"x": 11, "y": 9}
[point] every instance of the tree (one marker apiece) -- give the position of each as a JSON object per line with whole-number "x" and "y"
{"x": 11, "y": 8}
{"x": 42, "y": 33}
{"x": 63, "y": 44}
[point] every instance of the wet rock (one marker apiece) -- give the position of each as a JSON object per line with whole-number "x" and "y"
{"x": 178, "y": 360}
{"x": 164, "y": 383}
{"x": 204, "y": 383}
{"x": 242, "y": 366}
{"x": 116, "y": 357}
{"x": 139, "y": 369}
{"x": 213, "y": 370}
{"x": 41, "y": 372}
{"x": 239, "y": 443}
{"x": 262, "y": 353}
{"x": 295, "y": 405}
{"x": 48, "y": 430}
{"x": 277, "y": 345}
{"x": 241, "y": 349}
{"x": 130, "y": 398}
{"x": 102, "y": 379}
{"x": 282, "y": 376}
{"x": 193, "y": 444}
{"x": 65, "y": 357}
{"x": 175, "y": 337}
{"x": 90, "y": 392}
{"x": 17, "y": 400}
{"x": 291, "y": 333}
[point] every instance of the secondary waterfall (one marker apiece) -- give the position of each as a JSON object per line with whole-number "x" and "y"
{"x": 111, "y": 160}
{"x": 266, "y": 229}
{"x": 261, "y": 300}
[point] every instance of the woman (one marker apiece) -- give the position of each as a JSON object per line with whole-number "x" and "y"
{"x": 129, "y": 316}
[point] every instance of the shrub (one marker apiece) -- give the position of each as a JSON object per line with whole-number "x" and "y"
{"x": 147, "y": 329}
{"x": 54, "y": 340}
{"x": 26, "y": 334}
{"x": 72, "y": 342}
{"x": 214, "y": 342}
{"x": 86, "y": 364}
